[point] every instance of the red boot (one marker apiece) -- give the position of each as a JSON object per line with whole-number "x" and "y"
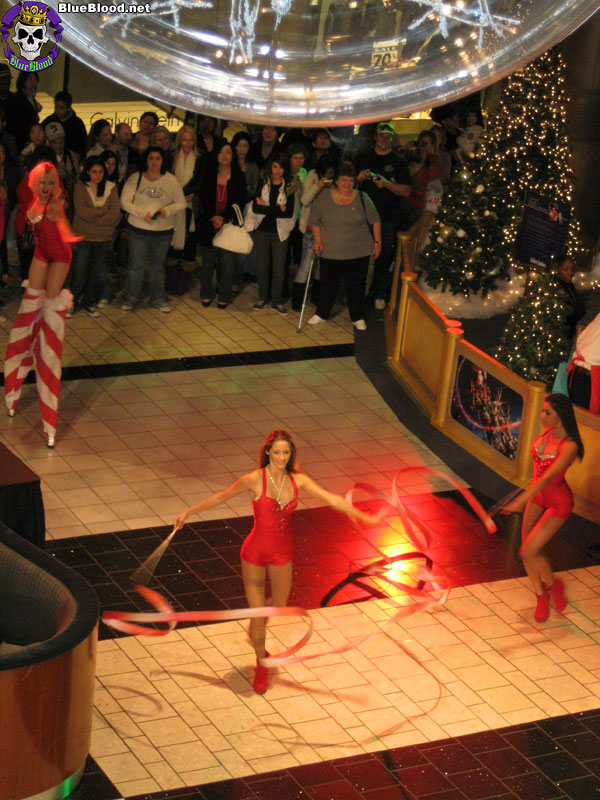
{"x": 261, "y": 678}
{"x": 557, "y": 591}
{"x": 542, "y": 609}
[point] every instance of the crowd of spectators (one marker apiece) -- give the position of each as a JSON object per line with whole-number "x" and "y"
{"x": 148, "y": 203}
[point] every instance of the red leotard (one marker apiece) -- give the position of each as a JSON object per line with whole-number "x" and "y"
{"x": 49, "y": 245}
{"x": 556, "y": 495}
{"x": 270, "y": 540}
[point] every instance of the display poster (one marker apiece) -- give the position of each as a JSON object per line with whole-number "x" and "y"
{"x": 487, "y": 407}
{"x": 543, "y": 231}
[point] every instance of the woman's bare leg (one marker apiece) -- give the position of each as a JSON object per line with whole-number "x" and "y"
{"x": 50, "y": 277}
{"x": 57, "y": 275}
{"x": 281, "y": 583}
{"x": 38, "y": 272}
{"x": 539, "y": 527}
{"x": 254, "y": 587}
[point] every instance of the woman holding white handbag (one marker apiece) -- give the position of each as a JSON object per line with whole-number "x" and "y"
{"x": 223, "y": 186}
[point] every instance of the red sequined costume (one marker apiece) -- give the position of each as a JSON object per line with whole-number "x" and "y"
{"x": 270, "y": 540}
{"x": 49, "y": 244}
{"x": 556, "y": 496}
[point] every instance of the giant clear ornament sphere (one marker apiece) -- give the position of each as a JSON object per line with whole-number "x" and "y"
{"x": 314, "y": 62}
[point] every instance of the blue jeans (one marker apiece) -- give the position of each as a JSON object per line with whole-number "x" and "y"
{"x": 224, "y": 261}
{"x": 88, "y": 272}
{"x": 146, "y": 251}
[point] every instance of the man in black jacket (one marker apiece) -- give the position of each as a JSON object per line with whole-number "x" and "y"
{"x": 383, "y": 174}
{"x": 75, "y": 132}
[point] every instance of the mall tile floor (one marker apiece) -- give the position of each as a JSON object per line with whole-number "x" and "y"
{"x": 473, "y": 700}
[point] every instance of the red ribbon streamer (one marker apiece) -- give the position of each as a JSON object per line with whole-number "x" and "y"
{"x": 435, "y": 597}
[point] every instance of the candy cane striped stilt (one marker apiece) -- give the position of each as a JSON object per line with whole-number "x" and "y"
{"x": 47, "y": 350}
{"x": 19, "y": 351}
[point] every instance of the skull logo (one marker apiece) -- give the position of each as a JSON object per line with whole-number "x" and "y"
{"x": 30, "y": 39}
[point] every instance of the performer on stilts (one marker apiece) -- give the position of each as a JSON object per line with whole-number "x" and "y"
{"x": 267, "y": 550}
{"x": 37, "y": 336}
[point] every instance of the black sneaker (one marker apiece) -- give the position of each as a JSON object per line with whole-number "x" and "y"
{"x": 259, "y": 305}
{"x": 282, "y": 310}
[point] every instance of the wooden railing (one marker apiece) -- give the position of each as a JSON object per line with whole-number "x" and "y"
{"x": 425, "y": 351}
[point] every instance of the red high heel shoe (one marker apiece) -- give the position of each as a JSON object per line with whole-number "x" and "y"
{"x": 557, "y": 592}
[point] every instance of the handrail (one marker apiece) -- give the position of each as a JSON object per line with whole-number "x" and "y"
{"x": 426, "y": 352}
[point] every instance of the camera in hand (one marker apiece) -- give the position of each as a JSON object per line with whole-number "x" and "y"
{"x": 156, "y": 215}
{"x": 373, "y": 176}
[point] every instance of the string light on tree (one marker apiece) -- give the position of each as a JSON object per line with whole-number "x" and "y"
{"x": 467, "y": 253}
{"x": 526, "y": 144}
{"x": 534, "y": 341}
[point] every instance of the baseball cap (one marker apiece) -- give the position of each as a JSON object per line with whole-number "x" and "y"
{"x": 385, "y": 127}
{"x": 54, "y": 130}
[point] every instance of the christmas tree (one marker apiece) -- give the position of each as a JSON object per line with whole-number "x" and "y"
{"x": 526, "y": 145}
{"x": 535, "y": 339}
{"x": 467, "y": 252}
{"x": 525, "y": 148}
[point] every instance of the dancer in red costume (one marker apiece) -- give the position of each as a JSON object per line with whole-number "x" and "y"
{"x": 36, "y": 338}
{"x": 548, "y": 501}
{"x": 267, "y": 550}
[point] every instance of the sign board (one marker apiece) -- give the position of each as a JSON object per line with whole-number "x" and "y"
{"x": 543, "y": 231}
{"x": 384, "y": 54}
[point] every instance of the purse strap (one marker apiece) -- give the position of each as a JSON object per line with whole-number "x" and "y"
{"x": 238, "y": 214}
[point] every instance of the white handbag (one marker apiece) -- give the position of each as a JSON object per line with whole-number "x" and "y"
{"x": 234, "y": 237}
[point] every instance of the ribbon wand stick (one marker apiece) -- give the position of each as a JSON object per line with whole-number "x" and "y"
{"x": 143, "y": 574}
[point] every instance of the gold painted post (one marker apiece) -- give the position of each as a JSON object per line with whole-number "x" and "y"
{"x": 407, "y": 279}
{"x": 446, "y": 384}
{"x": 393, "y": 306}
{"x": 529, "y": 428}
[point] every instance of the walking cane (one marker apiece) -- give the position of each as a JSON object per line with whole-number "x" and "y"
{"x": 306, "y": 289}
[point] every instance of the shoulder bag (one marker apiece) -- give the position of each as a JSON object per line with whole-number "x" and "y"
{"x": 234, "y": 237}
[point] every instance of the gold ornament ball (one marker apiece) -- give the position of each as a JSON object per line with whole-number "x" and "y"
{"x": 445, "y": 231}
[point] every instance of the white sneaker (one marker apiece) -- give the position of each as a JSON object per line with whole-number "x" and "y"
{"x": 380, "y": 304}
{"x": 101, "y": 303}
{"x": 91, "y": 312}
{"x": 165, "y": 308}
{"x": 126, "y": 307}
{"x": 360, "y": 325}
{"x": 316, "y": 320}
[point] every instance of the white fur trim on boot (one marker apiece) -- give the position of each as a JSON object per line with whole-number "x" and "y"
{"x": 62, "y": 302}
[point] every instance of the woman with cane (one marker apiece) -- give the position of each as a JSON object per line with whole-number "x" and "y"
{"x": 341, "y": 217}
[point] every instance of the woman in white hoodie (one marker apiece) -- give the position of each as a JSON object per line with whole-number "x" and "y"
{"x": 152, "y": 198}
